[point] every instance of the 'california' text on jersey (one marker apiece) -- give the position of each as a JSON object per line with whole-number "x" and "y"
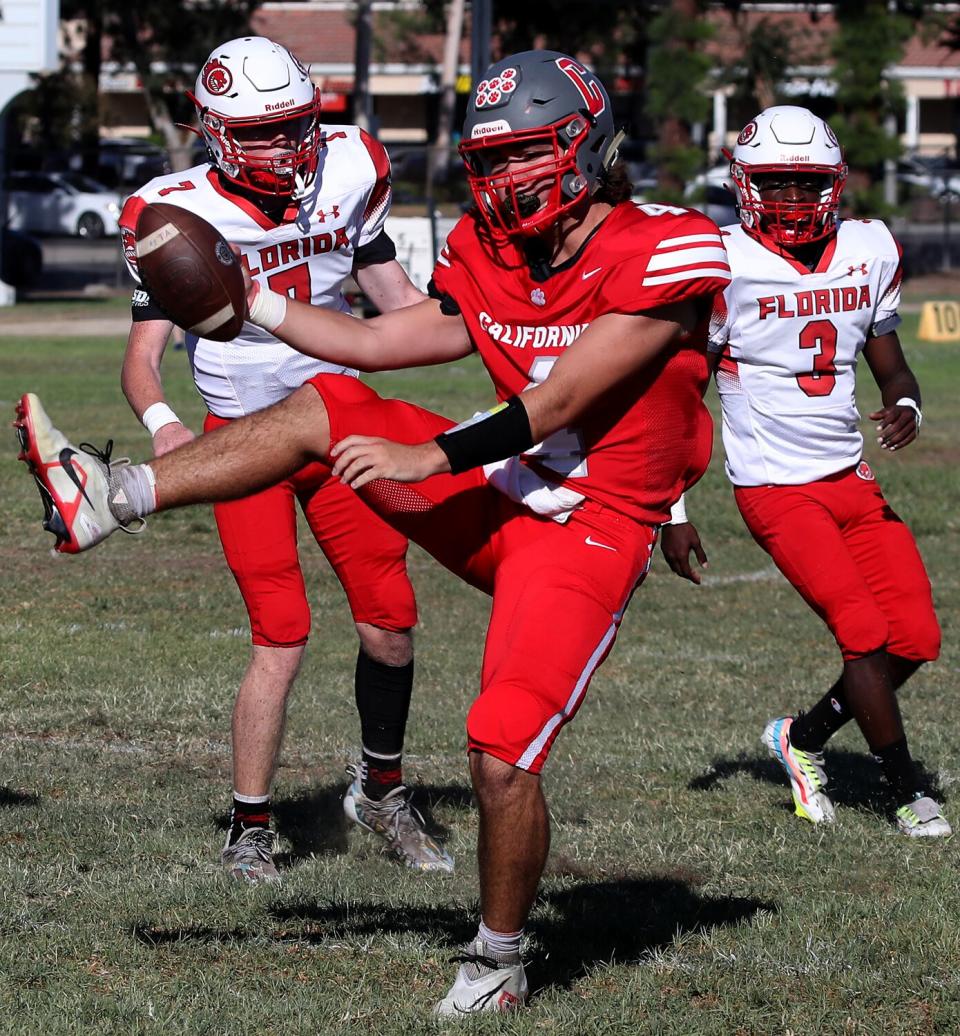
{"x": 650, "y": 438}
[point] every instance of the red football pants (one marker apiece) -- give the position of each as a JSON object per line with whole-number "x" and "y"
{"x": 259, "y": 538}
{"x": 852, "y": 560}
{"x": 559, "y": 591}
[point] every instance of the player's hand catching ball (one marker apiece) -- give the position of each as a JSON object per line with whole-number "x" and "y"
{"x": 249, "y": 285}
{"x": 898, "y": 426}
{"x": 359, "y": 459}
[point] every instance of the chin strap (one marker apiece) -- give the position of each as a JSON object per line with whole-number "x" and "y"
{"x": 610, "y": 155}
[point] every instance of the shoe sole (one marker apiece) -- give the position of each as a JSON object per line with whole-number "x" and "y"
{"x": 30, "y": 454}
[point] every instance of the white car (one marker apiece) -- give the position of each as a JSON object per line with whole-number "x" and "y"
{"x": 61, "y": 203}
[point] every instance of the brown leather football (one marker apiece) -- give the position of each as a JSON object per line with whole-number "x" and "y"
{"x": 190, "y": 271}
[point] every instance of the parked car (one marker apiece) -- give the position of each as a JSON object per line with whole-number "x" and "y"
{"x": 61, "y": 203}
{"x": 21, "y": 259}
{"x": 127, "y": 162}
{"x": 935, "y": 175}
{"x": 716, "y": 202}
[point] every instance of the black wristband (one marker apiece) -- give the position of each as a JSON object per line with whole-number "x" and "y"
{"x": 501, "y": 432}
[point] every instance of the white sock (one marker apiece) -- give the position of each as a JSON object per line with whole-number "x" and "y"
{"x": 133, "y": 492}
{"x": 500, "y": 944}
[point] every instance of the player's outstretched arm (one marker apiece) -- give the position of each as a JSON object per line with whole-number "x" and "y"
{"x": 898, "y": 421}
{"x": 414, "y": 336}
{"x": 387, "y": 286}
{"x": 614, "y": 347}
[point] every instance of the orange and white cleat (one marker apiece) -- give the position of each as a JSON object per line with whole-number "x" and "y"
{"x": 74, "y": 483}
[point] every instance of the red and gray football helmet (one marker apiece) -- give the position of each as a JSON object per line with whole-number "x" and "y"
{"x": 249, "y": 89}
{"x": 537, "y": 97}
{"x": 787, "y": 139}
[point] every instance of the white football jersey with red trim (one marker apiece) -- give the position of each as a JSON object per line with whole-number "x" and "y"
{"x": 308, "y": 257}
{"x": 789, "y": 340}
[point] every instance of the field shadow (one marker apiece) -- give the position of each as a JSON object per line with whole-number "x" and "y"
{"x": 11, "y": 798}
{"x": 312, "y": 823}
{"x": 856, "y": 781}
{"x": 595, "y": 923}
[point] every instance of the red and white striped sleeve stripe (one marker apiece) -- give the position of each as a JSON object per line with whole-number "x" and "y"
{"x": 687, "y": 258}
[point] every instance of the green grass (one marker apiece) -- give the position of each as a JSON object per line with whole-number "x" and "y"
{"x": 682, "y": 895}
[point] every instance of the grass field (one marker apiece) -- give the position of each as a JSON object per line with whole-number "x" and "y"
{"x": 682, "y": 896}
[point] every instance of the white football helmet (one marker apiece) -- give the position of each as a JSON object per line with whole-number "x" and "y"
{"x": 787, "y": 139}
{"x": 249, "y": 91}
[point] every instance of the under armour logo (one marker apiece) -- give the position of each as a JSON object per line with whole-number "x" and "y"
{"x": 851, "y": 270}
{"x": 335, "y": 214}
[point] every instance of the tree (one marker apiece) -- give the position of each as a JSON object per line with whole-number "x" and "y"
{"x": 758, "y": 74}
{"x": 677, "y": 96}
{"x": 869, "y": 41}
{"x": 165, "y": 40}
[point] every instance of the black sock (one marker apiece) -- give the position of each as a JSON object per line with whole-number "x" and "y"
{"x": 899, "y": 769}
{"x": 811, "y": 730}
{"x": 380, "y": 776}
{"x": 383, "y": 701}
{"x": 245, "y": 815}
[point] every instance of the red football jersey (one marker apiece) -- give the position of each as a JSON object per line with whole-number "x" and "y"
{"x": 651, "y": 437}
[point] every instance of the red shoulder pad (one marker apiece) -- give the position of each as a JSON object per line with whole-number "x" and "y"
{"x": 682, "y": 255}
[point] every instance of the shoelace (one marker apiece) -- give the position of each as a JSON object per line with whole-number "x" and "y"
{"x": 259, "y": 842}
{"x": 106, "y": 458}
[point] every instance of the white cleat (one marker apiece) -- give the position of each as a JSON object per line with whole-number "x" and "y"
{"x": 74, "y": 484}
{"x": 484, "y": 984}
{"x": 923, "y": 818}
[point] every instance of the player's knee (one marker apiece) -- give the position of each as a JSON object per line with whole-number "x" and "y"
{"x": 861, "y": 632}
{"x": 917, "y": 636}
{"x": 386, "y": 646}
{"x": 505, "y": 721}
{"x": 494, "y": 779}
{"x": 280, "y": 623}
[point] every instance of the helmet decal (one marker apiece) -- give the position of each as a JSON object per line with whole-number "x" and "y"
{"x": 493, "y": 92}
{"x": 216, "y": 77}
{"x": 830, "y": 135}
{"x": 595, "y": 99}
{"x": 748, "y": 132}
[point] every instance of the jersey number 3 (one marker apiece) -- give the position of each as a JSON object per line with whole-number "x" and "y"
{"x": 821, "y": 336}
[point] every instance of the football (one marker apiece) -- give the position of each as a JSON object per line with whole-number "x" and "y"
{"x": 190, "y": 271}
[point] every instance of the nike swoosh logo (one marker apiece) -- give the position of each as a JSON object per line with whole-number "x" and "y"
{"x": 66, "y": 462}
{"x": 591, "y": 542}
{"x": 590, "y": 273}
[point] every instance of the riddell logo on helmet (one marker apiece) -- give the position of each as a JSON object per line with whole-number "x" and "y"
{"x": 279, "y": 106}
{"x": 216, "y": 77}
{"x": 487, "y": 129}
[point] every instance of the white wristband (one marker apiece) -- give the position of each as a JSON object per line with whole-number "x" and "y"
{"x": 914, "y": 406}
{"x": 678, "y": 513}
{"x": 157, "y": 416}
{"x": 269, "y": 309}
